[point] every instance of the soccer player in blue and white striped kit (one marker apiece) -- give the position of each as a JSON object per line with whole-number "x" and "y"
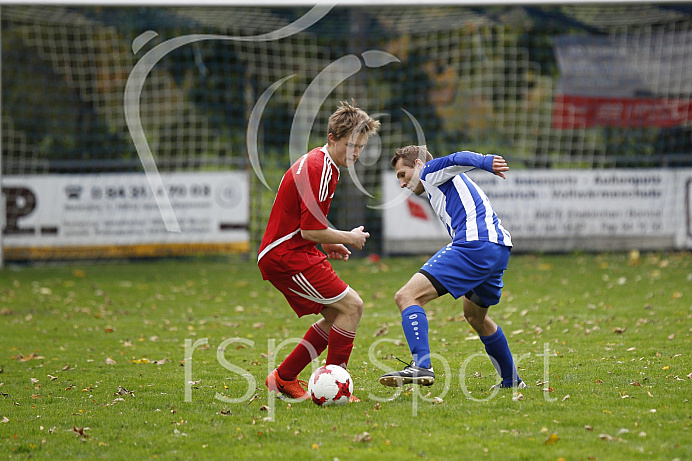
{"x": 470, "y": 267}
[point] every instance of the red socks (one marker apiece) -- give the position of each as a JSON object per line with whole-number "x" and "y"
{"x": 300, "y": 357}
{"x": 340, "y": 346}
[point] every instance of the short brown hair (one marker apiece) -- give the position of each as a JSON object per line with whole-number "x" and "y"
{"x": 349, "y": 119}
{"x": 409, "y": 154}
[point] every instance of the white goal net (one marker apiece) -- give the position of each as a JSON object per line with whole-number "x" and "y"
{"x": 549, "y": 87}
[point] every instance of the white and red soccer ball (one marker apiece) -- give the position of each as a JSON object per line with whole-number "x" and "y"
{"x": 330, "y": 385}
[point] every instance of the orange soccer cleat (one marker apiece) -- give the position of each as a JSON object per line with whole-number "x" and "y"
{"x": 295, "y": 389}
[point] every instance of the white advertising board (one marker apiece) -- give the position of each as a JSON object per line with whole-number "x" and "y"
{"x": 560, "y": 210}
{"x": 56, "y": 216}
{"x": 685, "y": 237}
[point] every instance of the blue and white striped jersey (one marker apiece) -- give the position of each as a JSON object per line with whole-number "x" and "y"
{"x": 462, "y": 206}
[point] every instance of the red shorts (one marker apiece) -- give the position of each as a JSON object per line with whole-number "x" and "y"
{"x": 309, "y": 291}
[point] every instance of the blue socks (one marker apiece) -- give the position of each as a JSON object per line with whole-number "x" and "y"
{"x": 415, "y": 325}
{"x": 497, "y": 348}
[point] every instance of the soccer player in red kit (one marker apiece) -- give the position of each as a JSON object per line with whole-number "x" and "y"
{"x": 289, "y": 259}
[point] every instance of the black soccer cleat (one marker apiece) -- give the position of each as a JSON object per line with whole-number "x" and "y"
{"x": 412, "y": 374}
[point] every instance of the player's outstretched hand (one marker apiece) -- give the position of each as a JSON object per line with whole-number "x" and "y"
{"x": 500, "y": 166}
{"x": 336, "y": 251}
{"x": 359, "y": 237}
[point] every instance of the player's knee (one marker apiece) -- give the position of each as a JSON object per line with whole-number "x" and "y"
{"x": 358, "y": 308}
{"x": 475, "y": 319}
{"x": 354, "y": 306}
{"x": 402, "y": 298}
{"x": 474, "y": 311}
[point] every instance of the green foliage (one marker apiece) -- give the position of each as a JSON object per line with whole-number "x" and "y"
{"x": 93, "y": 364}
{"x": 470, "y": 75}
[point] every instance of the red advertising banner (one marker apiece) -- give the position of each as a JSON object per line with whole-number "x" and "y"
{"x": 630, "y": 80}
{"x": 571, "y": 112}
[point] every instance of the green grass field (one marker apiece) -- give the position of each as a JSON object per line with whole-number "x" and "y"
{"x": 93, "y": 365}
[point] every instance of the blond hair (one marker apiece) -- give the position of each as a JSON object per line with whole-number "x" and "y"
{"x": 409, "y": 154}
{"x": 349, "y": 119}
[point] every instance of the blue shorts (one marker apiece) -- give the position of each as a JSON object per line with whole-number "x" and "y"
{"x": 460, "y": 268}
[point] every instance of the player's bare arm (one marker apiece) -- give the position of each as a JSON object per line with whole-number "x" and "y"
{"x": 336, "y": 251}
{"x": 500, "y": 166}
{"x": 355, "y": 237}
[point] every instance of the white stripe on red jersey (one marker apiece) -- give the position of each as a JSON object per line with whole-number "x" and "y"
{"x": 311, "y": 293}
{"x": 283, "y": 250}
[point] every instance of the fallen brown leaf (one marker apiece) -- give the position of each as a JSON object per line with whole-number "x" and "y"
{"x": 26, "y": 358}
{"x": 364, "y": 437}
{"x": 80, "y": 431}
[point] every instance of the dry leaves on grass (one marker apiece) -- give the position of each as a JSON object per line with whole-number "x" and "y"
{"x": 552, "y": 439}
{"x": 123, "y": 391}
{"x": 364, "y": 437}
{"x": 26, "y": 358}
{"x": 384, "y": 329}
{"x": 610, "y": 438}
{"x": 146, "y": 360}
{"x": 80, "y": 431}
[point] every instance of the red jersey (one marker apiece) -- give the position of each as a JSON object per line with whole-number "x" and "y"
{"x": 302, "y": 202}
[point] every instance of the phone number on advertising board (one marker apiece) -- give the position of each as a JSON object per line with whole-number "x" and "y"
{"x": 142, "y": 192}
